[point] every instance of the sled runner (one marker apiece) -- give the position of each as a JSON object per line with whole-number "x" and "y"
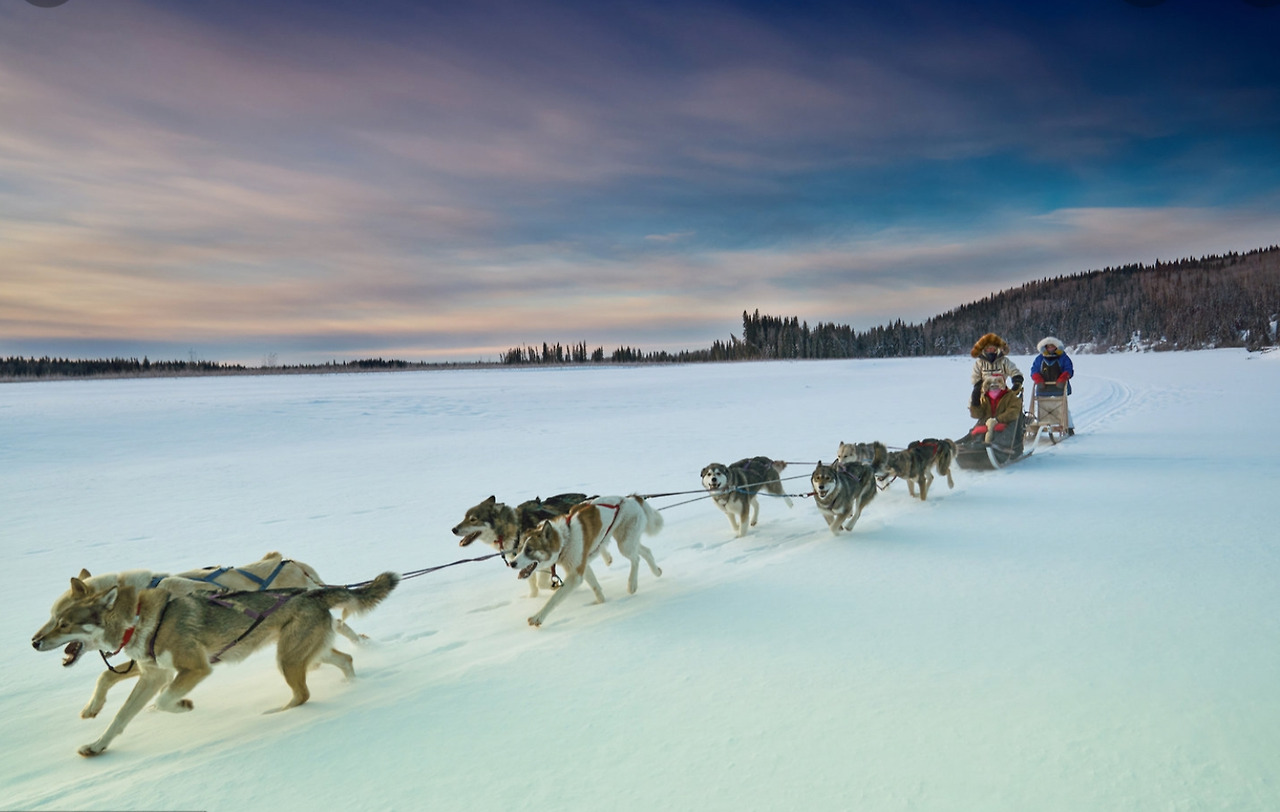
{"x": 995, "y": 449}
{"x": 1048, "y": 415}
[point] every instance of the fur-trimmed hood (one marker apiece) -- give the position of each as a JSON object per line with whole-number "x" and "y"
{"x": 989, "y": 338}
{"x": 1046, "y": 341}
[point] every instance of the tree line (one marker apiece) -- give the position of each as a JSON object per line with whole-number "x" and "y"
{"x": 1231, "y": 300}
{"x": 1214, "y": 301}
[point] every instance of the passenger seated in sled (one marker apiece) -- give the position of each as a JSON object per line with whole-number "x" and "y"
{"x": 997, "y": 409}
{"x": 1052, "y": 371}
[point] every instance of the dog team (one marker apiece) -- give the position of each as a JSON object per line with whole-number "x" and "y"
{"x": 175, "y": 628}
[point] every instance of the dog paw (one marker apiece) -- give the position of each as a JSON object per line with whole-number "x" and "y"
{"x": 535, "y": 621}
{"x": 90, "y": 750}
{"x": 90, "y": 712}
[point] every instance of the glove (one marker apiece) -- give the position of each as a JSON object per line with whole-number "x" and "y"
{"x": 1063, "y": 378}
{"x": 1017, "y": 381}
{"x": 1037, "y": 377}
{"x": 1001, "y": 426}
{"x": 976, "y": 397}
{"x": 978, "y": 430}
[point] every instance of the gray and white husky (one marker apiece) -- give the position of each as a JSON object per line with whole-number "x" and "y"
{"x": 841, "y": 491}
{"x": 501, "y": 526}
{"x": 175, "y": 641}
{"x": 873, "y": 453}
{"x": 271, "y": 571}
{"x": 734, "y": 488}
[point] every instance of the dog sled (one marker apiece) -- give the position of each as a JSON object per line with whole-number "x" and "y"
{"x": 994, "y": 449}
{"x": 1048, "y": 416}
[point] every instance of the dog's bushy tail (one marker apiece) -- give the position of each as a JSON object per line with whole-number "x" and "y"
{"x": 359, "y": 599}
{"x": 652, "y": 518}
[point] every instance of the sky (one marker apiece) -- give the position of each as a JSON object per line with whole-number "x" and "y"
{"x": 303, "y": 182}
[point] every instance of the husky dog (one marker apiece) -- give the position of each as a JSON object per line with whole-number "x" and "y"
{"x": 501, "y": 526}
{"x": 873, "y": 454}
{"x": 272, "y": 570}
{"x": 915, "y": 463}
{"x": 841, "y": 491}
{"x": 571, "y": 541}
{"x": 176, "y": 640}
{"x": 734, "y": 487}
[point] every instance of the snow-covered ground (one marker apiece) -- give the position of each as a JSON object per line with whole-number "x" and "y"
{"x": 1095, "y": 628}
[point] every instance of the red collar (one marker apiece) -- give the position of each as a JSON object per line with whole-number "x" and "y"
{"x": 128, "y": 633}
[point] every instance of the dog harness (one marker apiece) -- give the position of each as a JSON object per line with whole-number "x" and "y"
{"x": 617, "y": 511}
{"x": 217, "y": 572}
{"x": 128, "y": 635}
{"x": 281, "y": 599}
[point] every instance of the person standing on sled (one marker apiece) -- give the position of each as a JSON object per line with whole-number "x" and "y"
{"x": 991, "y": 360}
{"x": 1052, "y": 372}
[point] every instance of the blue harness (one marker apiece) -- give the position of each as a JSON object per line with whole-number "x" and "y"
{"x": 218, "y": 572}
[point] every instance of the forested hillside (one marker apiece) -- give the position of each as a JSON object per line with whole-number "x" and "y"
{"x": 1227, "y": 301}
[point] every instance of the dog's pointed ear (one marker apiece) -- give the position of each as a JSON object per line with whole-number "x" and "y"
{"x": 78, "y": 588}
{"x": 84, "y": 575}
{"x": 108, "y": 598}
{"x": 491, "y": 500}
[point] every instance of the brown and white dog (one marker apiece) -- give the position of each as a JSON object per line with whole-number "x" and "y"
{"x": 501, "y": 526}
{"x": 570, "y": 542}
{"x": 175, "y": 641}
{"x": 916, "y": 464}
{"x": 270, "y": 571}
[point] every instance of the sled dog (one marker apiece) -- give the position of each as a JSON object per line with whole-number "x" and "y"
{"x": 176, "y": 640}
{"x": 734, "y": 488}
{"x": 917, "y": 462}
{"x": 571, "y": 541}
{"x": 873, "y": 454}
{"x": 501, "y": 526}
{"x": 272, "y": 570}
{"x": 841, "y": 491}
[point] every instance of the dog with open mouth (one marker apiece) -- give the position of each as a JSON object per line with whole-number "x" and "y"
{"x": 502, "y": 526}
{"x": 735, "y": 488}
{"x": 176, "y": 640}
{"x": 841, "y": 490}
{"x": 271, "y": 571}
{"x": 570, "y": 542}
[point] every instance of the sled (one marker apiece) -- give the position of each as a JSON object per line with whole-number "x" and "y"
{"x": 993, "y": 450}
{"x": 1048, "y": 415}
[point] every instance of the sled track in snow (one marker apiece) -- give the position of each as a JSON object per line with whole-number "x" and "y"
{"x": 1113, "y": 398}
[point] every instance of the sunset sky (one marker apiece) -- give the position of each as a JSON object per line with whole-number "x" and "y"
{"x": 441, "y": 181}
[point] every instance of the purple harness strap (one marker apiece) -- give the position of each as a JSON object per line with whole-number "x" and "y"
{"x": 281, "y": 599}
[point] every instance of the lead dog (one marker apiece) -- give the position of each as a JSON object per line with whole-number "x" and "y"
{"x": 176, "y": 640}
{"x": 501, "y": 526}
{"x": 734, "y": 487}
{"x": 272, "y": 570}
{"x": 570, "y": 542}
{"x": 915, "y": 463}
{"x": 841, "y": 491}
